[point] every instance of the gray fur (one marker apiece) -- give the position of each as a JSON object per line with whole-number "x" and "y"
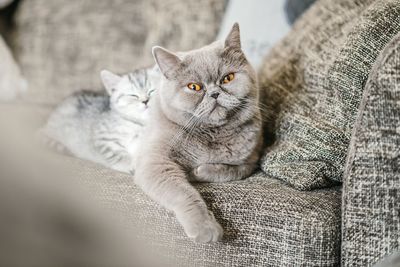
{"x": 105, "y": 128}
{"x": 194, "y": 136}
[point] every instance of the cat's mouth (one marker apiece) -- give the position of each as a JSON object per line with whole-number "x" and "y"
{"x": 214, "y": 114}
{"x": 215, "y": 107}
{"x": 218, "y": 106}
{"x": 217, "y": 114}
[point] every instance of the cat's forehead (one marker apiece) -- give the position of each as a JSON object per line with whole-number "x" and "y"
{"x": 209, "y": 62}
{"x": 204, "y": 57}
{"x": 137, "y": 80}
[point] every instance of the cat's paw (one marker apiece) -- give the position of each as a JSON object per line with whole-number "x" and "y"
{"x": 51, "y": 143}
{"x": 206, "y": 172}
{"x": 204, "y": 231}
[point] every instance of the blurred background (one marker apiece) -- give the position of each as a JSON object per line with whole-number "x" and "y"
{"x": 64, "y": 44}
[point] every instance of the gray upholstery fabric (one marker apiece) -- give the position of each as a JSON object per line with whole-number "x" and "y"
{"x": 371, "y": 225}
{"x": 65, "y": 44}
{"x": 266, "y": 222}
{"x": 314, "y": 81}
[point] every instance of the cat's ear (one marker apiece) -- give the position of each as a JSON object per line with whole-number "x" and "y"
{"x": 110, "y": 80}
{"x": 233, "y": 38}
{"x": 166, "y": 60}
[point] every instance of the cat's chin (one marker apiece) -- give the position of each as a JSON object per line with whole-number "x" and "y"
{"x": 216, "y": 117}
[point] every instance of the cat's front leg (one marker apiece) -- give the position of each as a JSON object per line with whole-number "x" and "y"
{"x": 214, "y": 172}
{"x": 165, "y": 182}
{"x": 114, "y": 156}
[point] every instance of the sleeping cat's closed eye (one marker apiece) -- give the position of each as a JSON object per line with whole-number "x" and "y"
{"x": 134, "y": 96}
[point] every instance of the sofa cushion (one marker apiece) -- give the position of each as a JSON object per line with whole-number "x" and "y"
{"x": 62, "y": 45}
{"x": 313, "y": 80}
{"x": 266, "y": 223}
{"x": 371, "y": 225}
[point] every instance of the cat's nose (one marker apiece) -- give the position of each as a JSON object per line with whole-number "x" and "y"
{"x": 145, "y": 101}
{"x": 214, "y": 95}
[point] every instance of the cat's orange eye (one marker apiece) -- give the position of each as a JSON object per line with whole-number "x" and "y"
{"x": 194, "y": 86}
{"x": 228, "y": 78}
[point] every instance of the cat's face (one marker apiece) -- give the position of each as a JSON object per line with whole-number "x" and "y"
{"x": 211, "y": 83}
{"x": 130, "y": 94}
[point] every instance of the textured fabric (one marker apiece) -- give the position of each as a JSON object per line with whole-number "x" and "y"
{"x": 371, "y": 225}
{"x": 65, "y": 44}
{"x": 314, "y": 81}
{"x": 266, "y": 223}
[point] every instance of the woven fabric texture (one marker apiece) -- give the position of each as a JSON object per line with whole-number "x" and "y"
{"x": 371, "y": 225}
{"x": 314, "y": 80}
{"x": 63, "y": 47}
{"x": 266, "y": 223}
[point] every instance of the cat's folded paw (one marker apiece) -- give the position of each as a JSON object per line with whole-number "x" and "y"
{"x": 206, "y": 172}
{"x": 205, "y": 231}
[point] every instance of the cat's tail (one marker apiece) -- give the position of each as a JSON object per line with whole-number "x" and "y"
{"x": 50, "y": 143}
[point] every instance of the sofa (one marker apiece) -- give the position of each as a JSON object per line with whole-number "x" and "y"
{"x": 327, "y": 192}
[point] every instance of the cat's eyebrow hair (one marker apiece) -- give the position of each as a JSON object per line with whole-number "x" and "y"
{"x": 130, "y": 81}
{"x": 220, "y": 64}
{"x": 134, "y": 81}
{"x": 144, "y": 80}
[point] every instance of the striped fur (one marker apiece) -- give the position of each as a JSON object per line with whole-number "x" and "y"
{"x": 101, "y": 127}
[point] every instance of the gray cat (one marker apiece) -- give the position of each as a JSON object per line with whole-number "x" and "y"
{"x": 205, "y": 125}
{"x": 105, "y": 128}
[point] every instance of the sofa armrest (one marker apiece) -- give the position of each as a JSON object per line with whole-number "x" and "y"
{"x": 371, "y": 195}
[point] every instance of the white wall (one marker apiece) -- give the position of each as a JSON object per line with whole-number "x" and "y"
{"x": 262, "y": 24}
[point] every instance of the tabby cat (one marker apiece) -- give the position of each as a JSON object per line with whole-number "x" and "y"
{"x": 105, "y": 127}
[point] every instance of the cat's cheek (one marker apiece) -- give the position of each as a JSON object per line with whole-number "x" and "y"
{"x": 146, "y": 114}
{"x": 185, "y": 102}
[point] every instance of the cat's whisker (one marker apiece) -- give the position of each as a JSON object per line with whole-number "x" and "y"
{"x": 261, "y": 116}
{"x": 176, "y": 138}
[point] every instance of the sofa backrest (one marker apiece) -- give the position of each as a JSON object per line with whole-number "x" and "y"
{"x": 371, "y": 192}
{"x": 313, "y": 82}
{"x": 63, "y": 45}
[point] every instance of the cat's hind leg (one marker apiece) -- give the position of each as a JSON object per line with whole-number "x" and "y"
{"x": 51, "y": 143}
